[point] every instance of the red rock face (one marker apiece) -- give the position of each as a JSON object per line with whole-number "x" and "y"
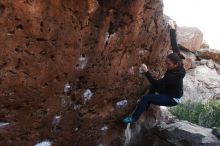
{"x": 95, "y": 45}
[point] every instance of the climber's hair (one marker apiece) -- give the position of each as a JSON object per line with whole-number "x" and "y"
{"x": 174, "y": 57}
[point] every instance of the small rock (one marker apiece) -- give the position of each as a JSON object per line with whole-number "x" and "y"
{"x": 204, "y": 45}
{"x": 104, "y": 129}
{"x": 210, "y": 64}
{"x": 122, "y": 104}
{"x": 82, "y": 62}
{"x": 3, "y": 124}
{"x": 76, "y": 107}
{"x": 131, "y": 70}
{"x": 141, "y": 70}
{"x": 187, "y": 63}
{"x": 44, "y": 143}
{"x": 106, "y": 37}
{"x": 203, "y": 62}
{"x": 194, "y": 64}
{"x": 67, "y": 88}
{"x": 56, "y": 120}
{"x": 87, "y": 95}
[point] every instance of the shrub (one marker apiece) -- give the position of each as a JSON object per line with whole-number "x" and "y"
{"x": 204, "y": 114}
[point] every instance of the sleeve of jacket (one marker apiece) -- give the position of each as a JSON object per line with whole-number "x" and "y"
{"x": 173, "y": 40}
{"x": 167, "y": 79}
{"x": 157, "y": 83}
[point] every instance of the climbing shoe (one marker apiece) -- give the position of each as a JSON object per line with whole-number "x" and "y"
{"x": 128, "y": 119}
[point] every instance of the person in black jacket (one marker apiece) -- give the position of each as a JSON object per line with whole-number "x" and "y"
{"x": 166, "y": 91}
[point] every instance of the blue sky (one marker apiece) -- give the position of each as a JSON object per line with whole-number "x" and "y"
{"x": 203, "y": 14}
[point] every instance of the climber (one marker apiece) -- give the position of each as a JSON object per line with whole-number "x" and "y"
{"x": 166, "y": 91}
{"x": 174, "y": 45}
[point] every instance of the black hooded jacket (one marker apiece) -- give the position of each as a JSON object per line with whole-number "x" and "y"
{"x": 171, "y": 84}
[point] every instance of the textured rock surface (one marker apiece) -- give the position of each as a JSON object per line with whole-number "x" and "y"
{"x": 190, "y": 38}
{"x": 171, "y": 132}
{"x": 201, "y": 83}
{"x": 183, "y": 133}
{"x": 142, "y": 134}
{"x": 204, "y": 45}
{"x": 95, "y": 45}
{"x": 217, "y": 67}
{"x": 189, "y": 60}
{"x": 210, "y": 54}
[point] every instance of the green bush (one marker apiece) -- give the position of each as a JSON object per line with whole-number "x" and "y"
{"x": 204, "y": 114}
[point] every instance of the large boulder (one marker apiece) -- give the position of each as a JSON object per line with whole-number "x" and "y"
{"x": 183, "y": 133}
{"x": 201, "y": 83}
{"x": 66, "y": 63}
{"x": 190, "y": 38}
{"x": 209, "y": 54}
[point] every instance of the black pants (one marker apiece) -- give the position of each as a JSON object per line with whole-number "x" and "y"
{"x": 152, "y": 98}
{"x": 160, "y": 99}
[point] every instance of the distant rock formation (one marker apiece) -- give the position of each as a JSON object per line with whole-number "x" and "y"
{"x": 201, "y": 84}
{"x": 202, "y": 81}
{"x": 190, "y": 38}
{"x": 209, "y": 54}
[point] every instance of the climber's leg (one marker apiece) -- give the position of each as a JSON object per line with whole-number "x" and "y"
{"x": 144, "y": 104}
